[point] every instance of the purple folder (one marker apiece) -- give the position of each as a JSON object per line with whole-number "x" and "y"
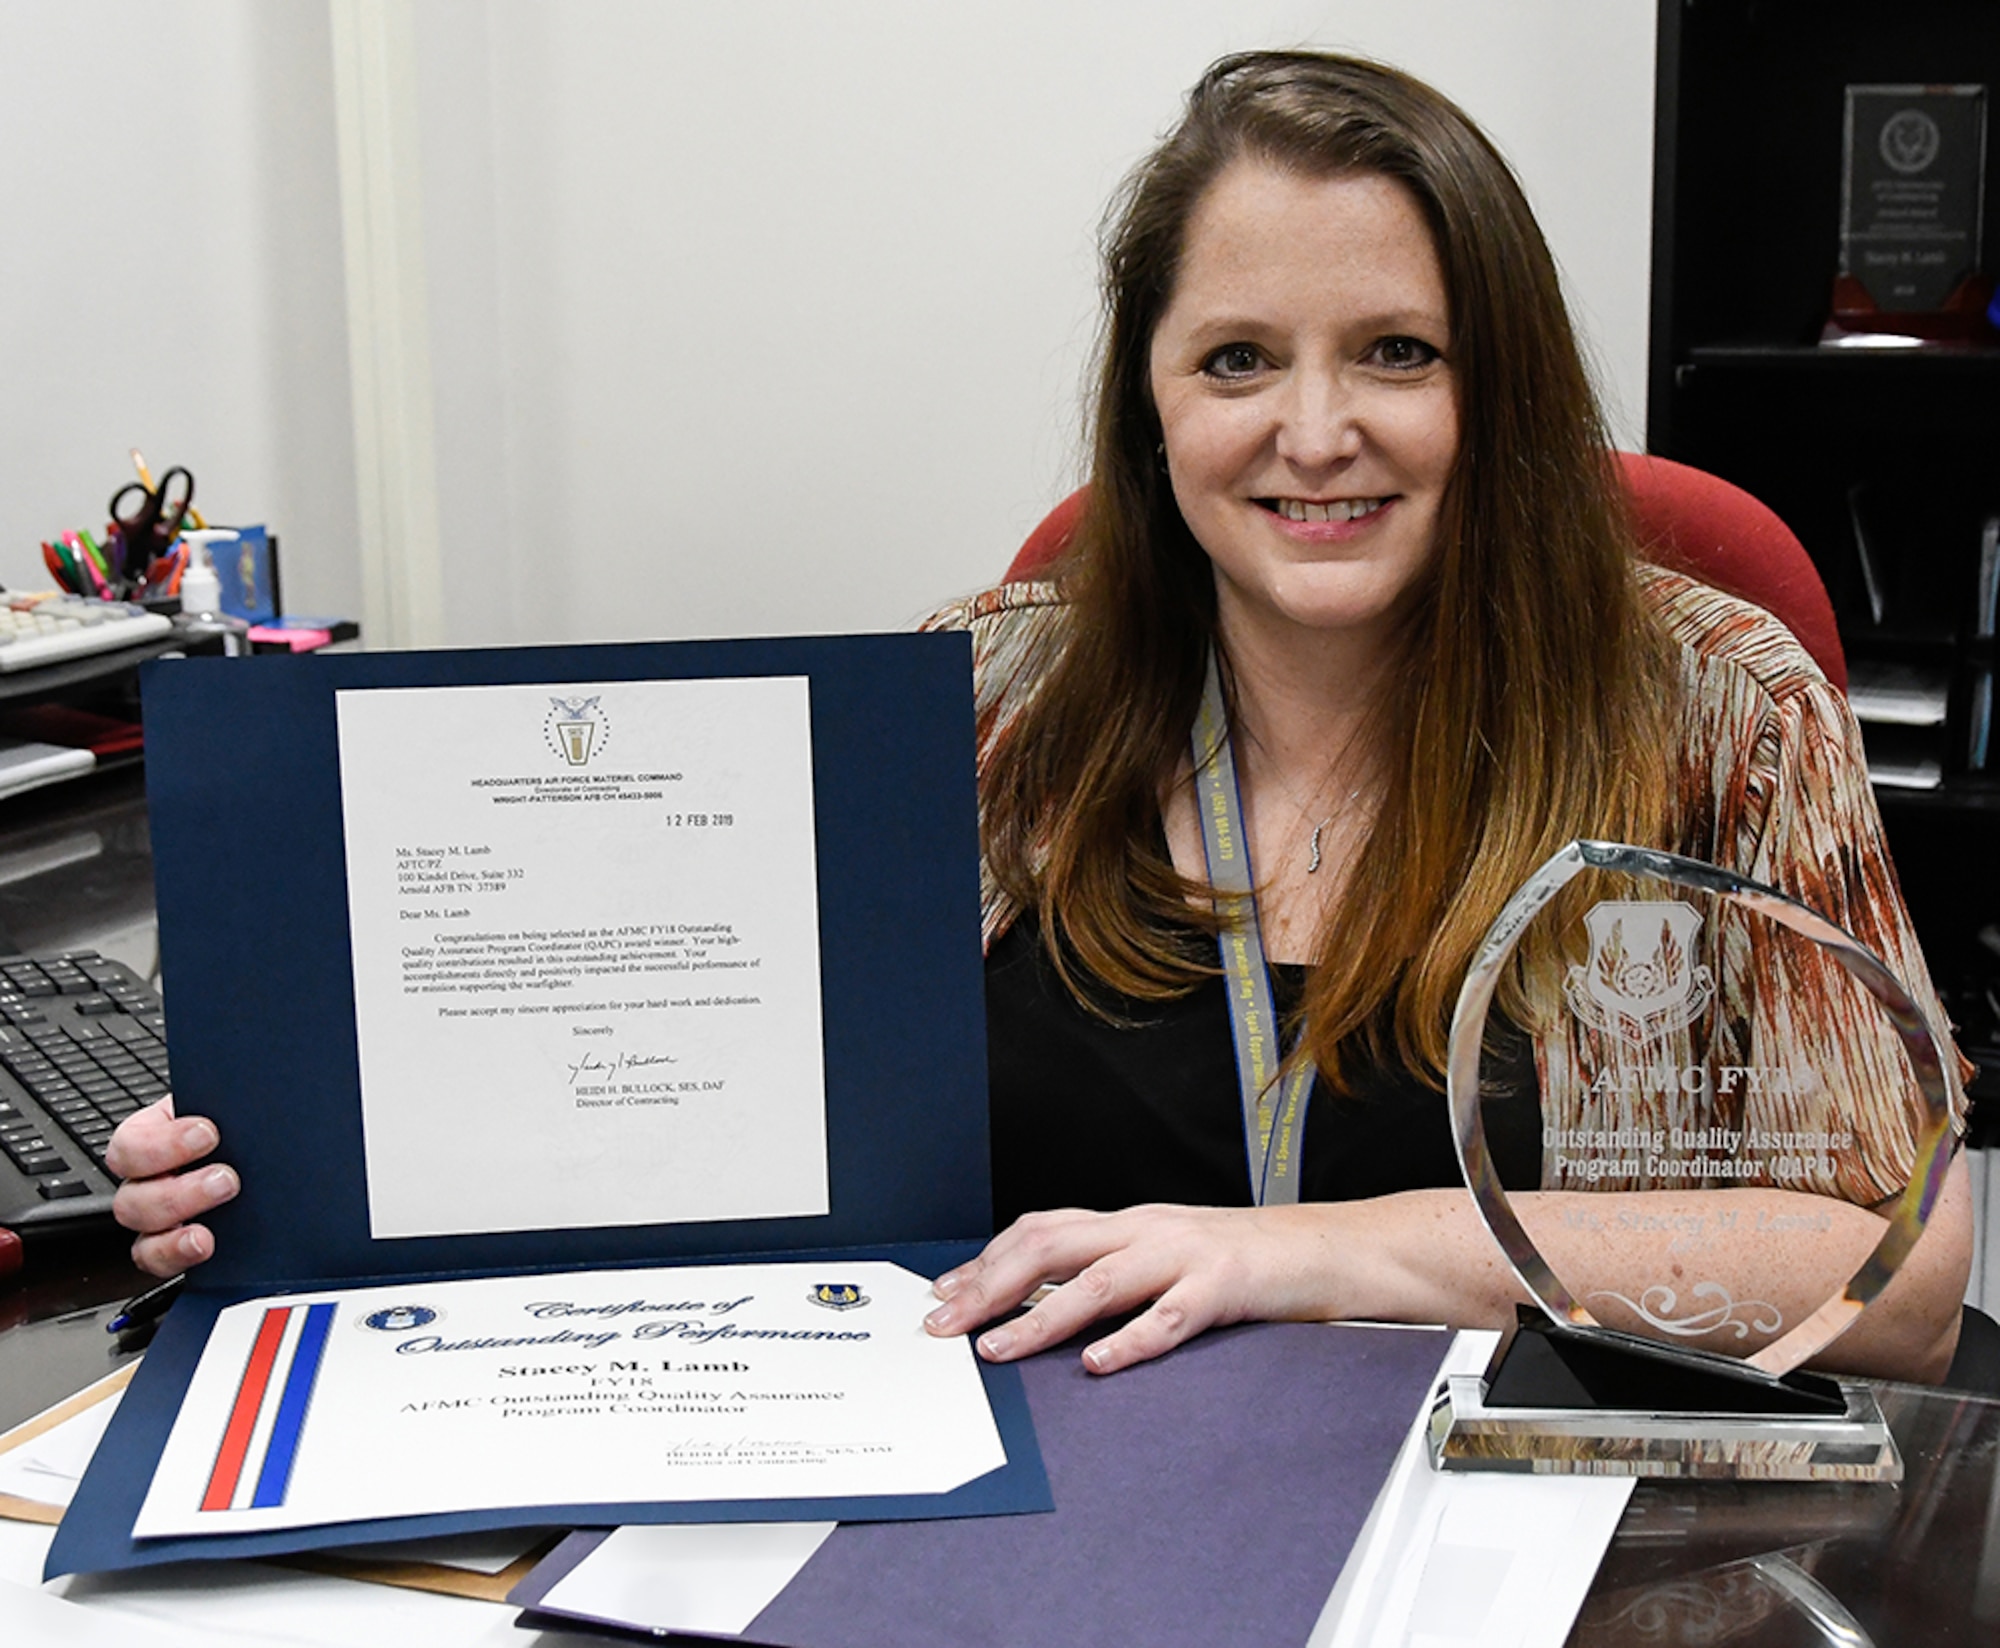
{"x": 1208, "y": 1497}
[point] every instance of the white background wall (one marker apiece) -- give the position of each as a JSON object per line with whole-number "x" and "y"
{"x": 170, "y": 274}
{"x": 745, "y": 318}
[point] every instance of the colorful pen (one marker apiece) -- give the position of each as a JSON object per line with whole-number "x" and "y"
{"x": 88, "y": 582}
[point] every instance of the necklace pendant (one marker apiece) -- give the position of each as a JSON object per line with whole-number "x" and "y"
{"x": 1313, "y": 867}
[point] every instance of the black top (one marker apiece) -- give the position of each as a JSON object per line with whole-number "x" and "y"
{"x": 1088, "y": 1113}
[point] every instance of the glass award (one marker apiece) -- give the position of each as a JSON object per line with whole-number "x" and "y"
{"x": 1731, "y": 1092}
{"x": 1912, "y": 184}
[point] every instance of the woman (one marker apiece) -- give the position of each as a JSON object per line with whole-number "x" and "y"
{"x": 1345, "y": 448}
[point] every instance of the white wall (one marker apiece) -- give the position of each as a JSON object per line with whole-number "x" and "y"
{"x": 170, "y": 274}
{"x": 744, "y": 319}
{"x": 774, "y": 316}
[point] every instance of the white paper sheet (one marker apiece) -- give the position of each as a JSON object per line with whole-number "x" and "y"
{"x": 48, "y": 1467}
{"x": 714, "y": 1578}
{"x": 585, "y": 941}
{"x": 1470, "y": 1560}
{"x": 256, "y": 1604}
{"x": 636, "y": 1386}
{"x": 30, "y": 1618}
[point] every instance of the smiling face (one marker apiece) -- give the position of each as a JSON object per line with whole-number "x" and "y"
{"x": 1303, "y": 377}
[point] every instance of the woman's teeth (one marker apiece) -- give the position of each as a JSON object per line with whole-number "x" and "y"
{"x": 1341, "y": 509}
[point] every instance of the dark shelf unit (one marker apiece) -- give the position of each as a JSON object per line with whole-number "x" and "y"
{"x": 88, "y": 677}
{"x": 1921, "y": 365}
{"x": 1904, "y": 441}
{"x": 106, "y": 683}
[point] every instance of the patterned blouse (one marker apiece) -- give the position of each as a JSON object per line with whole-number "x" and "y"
{"x": 1773, "y": 786}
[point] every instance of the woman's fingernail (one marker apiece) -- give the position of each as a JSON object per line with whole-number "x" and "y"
{"x": 939, "y": 1318}
{"x": 198, "y": 1135}
{"x": 948, "y": 1284}
{"x": 193, "y": 1245}
{"x": 219, "y": 1182}
{"x": 1098, "y": 1358}
{"x": 996, "y": 1344}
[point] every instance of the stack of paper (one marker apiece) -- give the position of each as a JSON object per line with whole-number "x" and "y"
{"x": 27, "y": 765}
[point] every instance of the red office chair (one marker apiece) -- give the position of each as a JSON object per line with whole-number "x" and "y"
{"x": 1686, "y": 519}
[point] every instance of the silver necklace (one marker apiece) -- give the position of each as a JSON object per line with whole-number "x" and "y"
{"x": 1319, "y": 829}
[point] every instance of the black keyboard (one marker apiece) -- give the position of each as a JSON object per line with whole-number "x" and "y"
{"x": 83, "y": 1044}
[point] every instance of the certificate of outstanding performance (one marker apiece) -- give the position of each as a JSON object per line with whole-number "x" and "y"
{"x": 689, "y": 1384}
{"x": 584, "y": 920}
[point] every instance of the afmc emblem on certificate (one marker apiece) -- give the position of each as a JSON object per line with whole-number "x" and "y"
{"x": 838, "y": 1296}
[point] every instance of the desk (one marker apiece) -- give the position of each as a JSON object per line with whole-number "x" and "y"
{"x": 1918, "y": 1563}
{"x": 52, "y": 1338}
{"x": 1706, "y": 1563}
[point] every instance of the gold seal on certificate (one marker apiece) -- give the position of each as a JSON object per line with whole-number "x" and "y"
{"x": 585, "y": 934}
{"x": 1722, "y": 1075}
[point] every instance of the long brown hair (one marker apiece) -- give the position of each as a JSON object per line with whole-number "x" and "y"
{"x": 1533, "y": 699}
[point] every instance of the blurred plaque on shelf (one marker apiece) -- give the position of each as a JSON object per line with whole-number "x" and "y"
{"x": 1912, "y": 181}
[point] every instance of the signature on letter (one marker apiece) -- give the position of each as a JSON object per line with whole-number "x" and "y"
{"x": 603, "y": 1067}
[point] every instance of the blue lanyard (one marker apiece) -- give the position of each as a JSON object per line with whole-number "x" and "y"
{"x": 1274, "y": 1112}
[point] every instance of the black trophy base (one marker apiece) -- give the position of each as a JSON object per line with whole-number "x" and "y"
{"x": 1561, "y": 1399}
{"x": 1544, "y": 1363}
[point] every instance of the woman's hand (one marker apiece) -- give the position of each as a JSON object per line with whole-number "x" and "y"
{"x": 154, "y": 1152}
{"x": 1194, "y": 1267}
{"x": 1425, "y": 1256}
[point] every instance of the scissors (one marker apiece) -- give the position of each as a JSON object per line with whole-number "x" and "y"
{"x": 149, "y": 518}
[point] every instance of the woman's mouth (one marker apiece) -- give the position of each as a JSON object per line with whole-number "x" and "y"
{"x": 1335, "y": 509}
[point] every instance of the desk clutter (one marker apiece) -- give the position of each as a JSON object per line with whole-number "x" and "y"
{"x": 1370, "y": 1524}
{"x": 157, "y": 578}
{"x": 157, "y": 555}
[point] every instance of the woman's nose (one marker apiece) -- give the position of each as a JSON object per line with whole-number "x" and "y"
{"x": 1319, "y": 423}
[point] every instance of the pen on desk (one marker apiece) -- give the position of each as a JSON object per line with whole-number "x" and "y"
{"x": 150, "y": 1306}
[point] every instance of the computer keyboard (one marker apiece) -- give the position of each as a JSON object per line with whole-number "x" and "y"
{"x": 82, "y": 1045}
{"x": 55, "y": 628}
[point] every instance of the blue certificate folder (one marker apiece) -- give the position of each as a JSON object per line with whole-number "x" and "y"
{"x": 243, "y": 789}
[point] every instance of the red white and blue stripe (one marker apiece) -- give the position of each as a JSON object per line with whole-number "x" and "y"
{"x": 260, "y": 1443}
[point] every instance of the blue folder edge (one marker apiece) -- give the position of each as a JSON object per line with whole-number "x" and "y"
{"x": 245, "y": 751}
{"x": 95, "y": 1535}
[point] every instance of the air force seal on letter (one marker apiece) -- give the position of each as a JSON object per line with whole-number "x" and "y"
{"x": 399, "y": 1318}
{"x": 1641, "y": 980}
{"x": 838, "y": 1296}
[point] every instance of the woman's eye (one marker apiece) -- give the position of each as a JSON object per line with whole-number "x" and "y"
{"x": 1233, "y": 360}
{"x": 1405, "y": 354}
